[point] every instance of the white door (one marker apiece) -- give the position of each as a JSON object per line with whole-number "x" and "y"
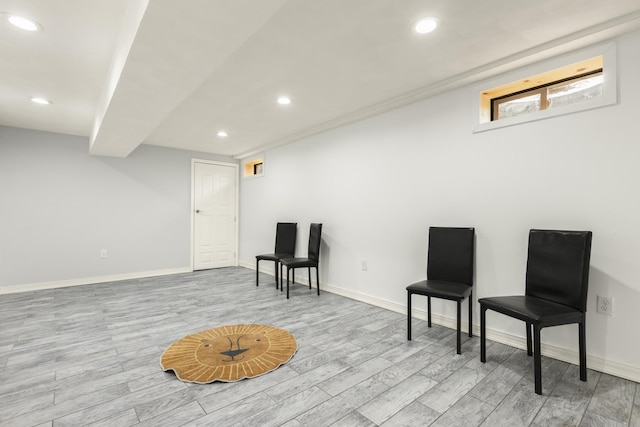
{"x": 214, "y": 189}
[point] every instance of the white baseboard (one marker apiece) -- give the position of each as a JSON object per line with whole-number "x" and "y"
{"x": 89, "y": 280}
{"x": 265, "y": 267}
{"x": 566, "y": 355}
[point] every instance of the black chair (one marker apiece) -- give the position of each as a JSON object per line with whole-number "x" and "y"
{"x": 449, "y": 272}
{"x": 285, "y": 247}
{"x": 557, "y": 279}
{"x": 313, "y": 257}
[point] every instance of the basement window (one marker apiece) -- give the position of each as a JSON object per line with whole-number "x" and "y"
{"x": 585, "y": 84}
{"x": 254, "y": 167}
{"x": 570, "y": 90}
{"x": 568, "y": 85}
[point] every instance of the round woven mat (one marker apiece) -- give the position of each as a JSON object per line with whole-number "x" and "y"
{"x": 229, "y": 353}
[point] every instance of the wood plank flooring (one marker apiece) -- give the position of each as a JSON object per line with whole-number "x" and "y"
{"x": 89, "y": 355}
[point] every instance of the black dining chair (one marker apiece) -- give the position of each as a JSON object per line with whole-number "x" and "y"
{"x": 450, "y": 260}
{"x": 312, "y": 260}
{"x": 285, "y": 247}
{"x": 557, "y": 281}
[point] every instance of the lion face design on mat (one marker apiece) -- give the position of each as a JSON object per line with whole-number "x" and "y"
{"x": 232, "y": 348}
{"x": 229, "y": 353}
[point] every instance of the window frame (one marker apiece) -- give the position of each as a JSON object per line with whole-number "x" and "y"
{"x": 253, "y": 167}
{"x": 609, "y": 96}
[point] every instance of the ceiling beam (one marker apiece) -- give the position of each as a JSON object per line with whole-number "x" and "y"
{"x": 150, "y": 77}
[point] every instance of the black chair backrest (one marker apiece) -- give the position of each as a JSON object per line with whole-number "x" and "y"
{"x": 286, "y": 238}
{"x": 450, "y": 254}
{"x": 315, "y": 233}
{"x": 558, "y": 266}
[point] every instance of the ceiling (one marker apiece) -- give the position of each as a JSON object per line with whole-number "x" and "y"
{"x": 173, "y": 74}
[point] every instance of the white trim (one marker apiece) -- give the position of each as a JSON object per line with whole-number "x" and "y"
{"x": 192, "y": 225}
{"x": 29, "y": 287}
{"x": 609, "y": 96}
{"x": 269, "y": 269}
{"x": 253, "y": 176}
{"x": 593, "y": 362}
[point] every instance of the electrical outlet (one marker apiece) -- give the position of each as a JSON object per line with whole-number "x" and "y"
{"x": 103, "y": 253}
{"x": 364, "y": 265}
{"x": 605, "y": 305}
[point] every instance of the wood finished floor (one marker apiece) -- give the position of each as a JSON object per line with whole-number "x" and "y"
{"x": 89, "y": 355}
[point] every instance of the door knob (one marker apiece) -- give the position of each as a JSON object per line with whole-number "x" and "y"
{"x": 197, "y": 210}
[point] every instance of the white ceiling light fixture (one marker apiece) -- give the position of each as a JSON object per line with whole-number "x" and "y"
{"x": 24, "y": 23}
{"x": 426, "y": 25}
{"x": 41, "y": 101}
{"x": 284, "y": 100}
{"x": 222, "y": 134}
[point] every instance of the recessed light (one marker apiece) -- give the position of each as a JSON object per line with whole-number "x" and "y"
{"x": 222, "y": 134}
{"x": 426, "y": 25}
{"x": 41, "y": 101}
{"x": 284, "y": 100}
{"x": 24, "y": 23}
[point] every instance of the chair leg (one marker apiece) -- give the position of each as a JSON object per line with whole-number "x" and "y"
{"x": 483, "y": 343}
{"x": 288, "y": 281}
{"x": 257, "y": 270}
{"x": 471, "y": 315}
{"x": 458, "y": 345}
{"x": 277, "y": 263}
{"x": 429, "y": 311}
{"x": 537, "y": 359}
{"x": 309, "y": 271}
{"x": 318, "y": 280}
{"x": 409, "y": 316}
{"x": 529, "y": 352}
{"x": 582, "y": 338}
{"x": 281, "y": 277}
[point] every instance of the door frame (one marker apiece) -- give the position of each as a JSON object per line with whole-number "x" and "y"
{"x": 236, "y": 168}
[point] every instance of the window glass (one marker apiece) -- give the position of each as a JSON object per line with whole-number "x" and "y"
{"x": 575, "y": 91}
{"x": 519, "y": 105}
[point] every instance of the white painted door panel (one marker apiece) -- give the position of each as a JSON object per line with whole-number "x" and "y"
{"x": 214, "y": 216}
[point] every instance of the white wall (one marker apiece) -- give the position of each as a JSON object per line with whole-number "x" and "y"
{"x": 60, "y": 206}
{"x": 377, "y": 185}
